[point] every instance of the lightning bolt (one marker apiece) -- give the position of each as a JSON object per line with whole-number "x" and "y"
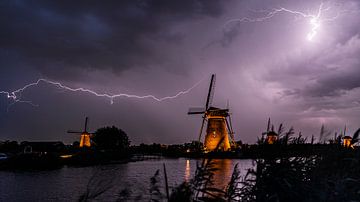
{"x": 15, "y": 96}
{"x": 314, "y": 19}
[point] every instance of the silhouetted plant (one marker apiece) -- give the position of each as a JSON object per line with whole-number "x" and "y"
{"x": 355, "y": 137}
{"x": 199, "y": 188}
{"x": 324, "y": 134}
{"x": 99, "y": 183}
{"x": 332, "y": 176}
{"x": 183, "y": 192}
{"x": 284, "y": 139}
{"x": 203, "y": 181}
{"x": 282, "y": 179}
{"x": 155, "y": 193}
{"x": 234, "y": 189}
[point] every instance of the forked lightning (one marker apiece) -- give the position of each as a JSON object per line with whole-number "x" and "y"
{"x": 15, "y": 96}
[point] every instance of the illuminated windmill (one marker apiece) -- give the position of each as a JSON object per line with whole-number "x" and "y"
{"x": 85, "y": 136}
{"x": 346, "y": 139}
{"x": 271, "y": 136}
{"x": 349, "y": 141}
{"x": 219, "y": 125}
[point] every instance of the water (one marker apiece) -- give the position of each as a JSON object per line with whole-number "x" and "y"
{"x": 69, "y": 183}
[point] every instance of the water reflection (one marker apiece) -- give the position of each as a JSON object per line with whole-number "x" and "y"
{"x": 223, "y": 170}
{"x": 222, "y": 175}
{"x": 187, "y": 171}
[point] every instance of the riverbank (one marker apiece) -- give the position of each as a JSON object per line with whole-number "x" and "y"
{"x": 90, "y": 157}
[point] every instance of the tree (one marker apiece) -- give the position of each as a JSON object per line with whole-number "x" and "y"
{"x": 111, "y": 138}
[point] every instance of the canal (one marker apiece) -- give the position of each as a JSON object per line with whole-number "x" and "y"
{"x": 117, "y": 180}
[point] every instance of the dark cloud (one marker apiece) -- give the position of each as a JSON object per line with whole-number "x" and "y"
{"x": 335, "y": 85}
{"x": 61, "y": 37}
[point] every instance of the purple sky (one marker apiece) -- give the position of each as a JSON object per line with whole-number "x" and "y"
{"x": 266, "y": 68}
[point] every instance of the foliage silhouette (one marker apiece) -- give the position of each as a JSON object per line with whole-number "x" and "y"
{"x": 111, "y": 138}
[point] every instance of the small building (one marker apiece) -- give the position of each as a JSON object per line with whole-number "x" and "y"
{"x": 42, "y": 147}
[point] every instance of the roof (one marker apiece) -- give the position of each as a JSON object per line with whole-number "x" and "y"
{"x": 214, "y": 111}
{"x": 272, "y": 133}
{"x": 44, "y": 146}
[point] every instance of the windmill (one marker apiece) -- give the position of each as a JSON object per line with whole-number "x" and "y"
{"x": 219, "y": 125}
{"x": 84, "y": 135}
{"x": 347, "y": 139}
{"x": 271, "y": 136}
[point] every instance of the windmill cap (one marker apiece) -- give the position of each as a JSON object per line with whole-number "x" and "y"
{"x": 272, "y": 133}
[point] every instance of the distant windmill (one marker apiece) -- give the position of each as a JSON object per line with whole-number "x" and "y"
{"x": 347, "y": 139}
{"x": 85, "y": 136}
{"x": 219, "y": 125}
{"x": 271, "y": 136}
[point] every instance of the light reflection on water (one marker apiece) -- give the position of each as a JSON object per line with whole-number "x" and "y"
{"x": 224, "y": 169}
{"x": 68, "y": 183}
{"x": 187, "y": 171}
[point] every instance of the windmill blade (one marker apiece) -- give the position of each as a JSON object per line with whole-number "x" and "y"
{"x": 71, "y": 131}
{"x": 202, "y": 112}
{"x": 231, "y": 125}
{"x": 86, "y": 124}
{"x": 196, "y": 110}
{"x": 228, "y": 126}
{"x": 231, "y": 133}
{"x": 211, "y": 92}
{"x": 202, "y": 126}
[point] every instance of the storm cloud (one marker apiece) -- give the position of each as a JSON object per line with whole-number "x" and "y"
{"x": 59, "y": 38}
{"x": 264, "y": 68}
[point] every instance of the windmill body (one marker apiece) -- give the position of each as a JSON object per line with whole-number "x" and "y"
{"x": 218, "y": 123}
{"x": 85, "y": 140}
{"x": 217, "y": 136}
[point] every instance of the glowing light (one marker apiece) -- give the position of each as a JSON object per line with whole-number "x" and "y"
{"x": 314, "y": 19}
{"x": 347, "y": 142}
{"x": 16, "y": 95}
{"x": 66, "y": 156}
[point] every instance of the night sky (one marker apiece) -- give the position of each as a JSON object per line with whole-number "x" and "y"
{"x": 265, "y": 66}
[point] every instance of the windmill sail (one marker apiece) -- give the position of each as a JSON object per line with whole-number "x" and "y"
{"x": 211, "y": 92}
{"x": 218, "y": 129}
{"x": 86, "y": 123}
{"x": 197, "y": 110}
